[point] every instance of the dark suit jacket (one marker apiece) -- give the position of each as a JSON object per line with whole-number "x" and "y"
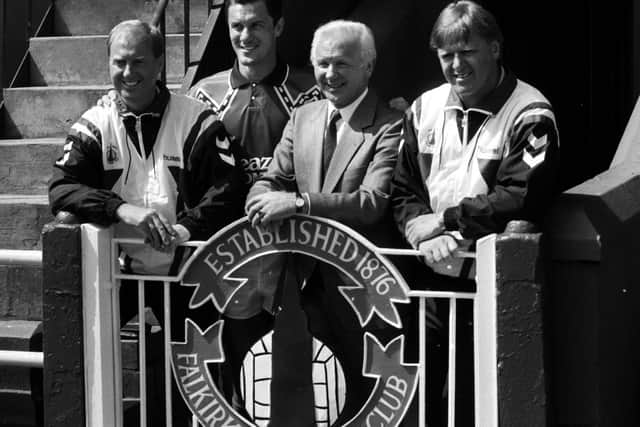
{"x": 356, "y": 188}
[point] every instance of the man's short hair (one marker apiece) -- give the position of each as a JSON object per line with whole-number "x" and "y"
{"x": 274, "y": 7}
{"x": 135, "y": 25}
{"x": 351, "y": 30}
{"x": 459, "y": 20}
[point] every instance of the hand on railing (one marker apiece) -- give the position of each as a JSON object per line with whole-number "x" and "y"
{"x": 423, "y": 227}
{"x": 157, "y": 230}
{"x": 439, "y": 248}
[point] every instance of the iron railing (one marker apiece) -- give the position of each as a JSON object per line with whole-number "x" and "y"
{"x": 30, "y": 359}
{"x": 103, "y": 368}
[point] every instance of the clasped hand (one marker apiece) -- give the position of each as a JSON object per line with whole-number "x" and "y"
{"x": 158, "y": 232}
{"x": 269, "y": 209}
{"x": 438, "y": 248}
{"x": 423, "y": 227}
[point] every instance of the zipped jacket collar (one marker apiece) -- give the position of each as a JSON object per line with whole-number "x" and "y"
{"x": 493, "y": 102}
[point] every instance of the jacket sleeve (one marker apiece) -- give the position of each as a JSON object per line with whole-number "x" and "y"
{"x": 211, "y": 184}
{"x": 77, "y": 184}
{"x": 409, "y": 196}
{"x": 524, "y": 180}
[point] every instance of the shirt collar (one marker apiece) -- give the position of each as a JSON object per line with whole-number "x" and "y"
{"x": 156, "y": 108}
{"x": 347, "y": 111}
{"x": 494, "y": 101}
{"x": 277, "y": 76}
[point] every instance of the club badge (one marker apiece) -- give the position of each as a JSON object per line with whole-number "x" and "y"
{"x": 218, "y": 270}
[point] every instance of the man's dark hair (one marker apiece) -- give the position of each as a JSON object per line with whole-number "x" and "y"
{"x": 459, "y": 20}
{"x": 274, "y": 7}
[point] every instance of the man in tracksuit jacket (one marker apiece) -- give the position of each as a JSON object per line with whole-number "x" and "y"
{"x": 155, "y": 164}
{"x": 478, "y": 151}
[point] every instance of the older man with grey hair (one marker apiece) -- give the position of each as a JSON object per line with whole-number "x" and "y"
{"x": 335, "y": 160}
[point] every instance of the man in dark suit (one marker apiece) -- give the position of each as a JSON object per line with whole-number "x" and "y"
{"x": 335, "y": 160}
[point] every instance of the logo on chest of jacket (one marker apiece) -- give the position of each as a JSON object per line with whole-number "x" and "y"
{"x": 113, "y": 154}
{"x": 427, "y": 143}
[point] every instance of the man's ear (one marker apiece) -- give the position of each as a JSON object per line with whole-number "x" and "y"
{"x": 496, "y": 49}
{"x": 159, "y": 63}
{"x": 370, "y": 65}
{"x": 279, "y": 27}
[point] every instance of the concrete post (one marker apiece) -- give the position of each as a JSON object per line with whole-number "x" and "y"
{"x": 62, "y": 317}
{"x": 522, "y": 377}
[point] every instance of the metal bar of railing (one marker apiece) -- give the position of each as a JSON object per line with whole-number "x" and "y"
{"x": 451, "y": 380}
{"x": 408, "y": 252}
{"x": 158, "y": 20}
{"x": 187, "y": 36}
{"x": 28, "y": 359}
{"x": 20, "y": 257}
{"x": 142, "y": 355}
{"x": 422, "y": 357}
{"x": 167, "y": 353}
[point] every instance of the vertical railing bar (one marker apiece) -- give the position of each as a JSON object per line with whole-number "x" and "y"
{"x": 163, "y": 30}
{"x": 451, "y": 402}
{"x": 422, "y": 394}
{"x": 117, "y": 345}
{"x": 187, "y": 35}
{"x": 485, "y": 335}
{"x": 194, "y": 421}
{"x": 142, "y": 355}
{"x": 117, "y": 353}
{"x": 167, "y": 354}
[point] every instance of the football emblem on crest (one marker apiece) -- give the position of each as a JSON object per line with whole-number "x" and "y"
{"x": 328, "y": 383}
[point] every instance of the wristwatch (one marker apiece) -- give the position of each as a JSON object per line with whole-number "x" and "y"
{"x": 300, "y": 203}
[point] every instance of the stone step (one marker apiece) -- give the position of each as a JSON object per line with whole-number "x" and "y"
{"x": 26, "y": 165}
{"x": 20, "y": 388}
{"x": 21, "y": 220}
{"x": 20, "y": 292}
{"x": 79, "y": 60}
{"x": 82, "y": 17}
{"x": 48, "y": 111}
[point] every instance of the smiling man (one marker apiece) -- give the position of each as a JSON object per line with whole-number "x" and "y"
{"x": 255, "y": 97}
{"x": 479, "y": 151}
{"x": 335, "y": 160}
{"x": 154, "y": 164}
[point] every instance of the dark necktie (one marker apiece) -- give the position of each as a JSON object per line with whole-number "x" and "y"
{"x": 330, "y": 140}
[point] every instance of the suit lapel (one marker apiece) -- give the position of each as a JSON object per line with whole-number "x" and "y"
{"x": 351, "y": 139}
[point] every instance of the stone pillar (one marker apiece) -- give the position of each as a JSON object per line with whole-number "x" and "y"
{"x": 62, "y": 317}
{"x": 522, "y": 377}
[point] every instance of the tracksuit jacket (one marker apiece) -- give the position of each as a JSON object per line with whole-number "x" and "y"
{"x": 481, "y": 166}
{"x": 175, "y": 158}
